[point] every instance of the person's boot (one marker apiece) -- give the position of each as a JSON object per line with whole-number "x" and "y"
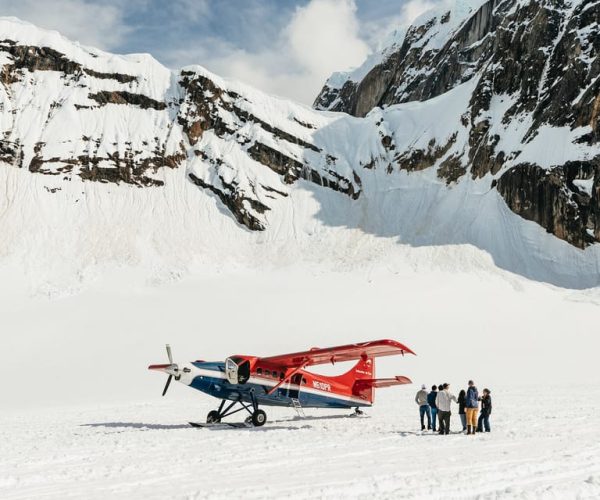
{"x": 468, "y": 430}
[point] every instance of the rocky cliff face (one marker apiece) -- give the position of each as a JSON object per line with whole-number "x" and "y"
{"x": 73, "y": 113}
{"x": 534, "y": 66}
{"x": 476, "y": 108}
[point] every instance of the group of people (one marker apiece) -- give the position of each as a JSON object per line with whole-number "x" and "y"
{"x": 436, "y": 406}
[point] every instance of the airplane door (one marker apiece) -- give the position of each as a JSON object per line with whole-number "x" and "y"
{"x": 296, "y": 381}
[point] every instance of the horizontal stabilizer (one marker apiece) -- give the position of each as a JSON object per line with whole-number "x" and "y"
{"x": 381, "y": 382}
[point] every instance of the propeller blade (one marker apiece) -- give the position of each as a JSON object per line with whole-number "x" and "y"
{"x": 169, "y": 354}
{"x": 167, "y": 385}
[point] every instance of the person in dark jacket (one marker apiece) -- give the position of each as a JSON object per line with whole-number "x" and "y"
{"x": 462, "y": 398}
{"x": 472, "y": 407}
{"x": 486, "y": 411}
{"x": 434, "y": 410}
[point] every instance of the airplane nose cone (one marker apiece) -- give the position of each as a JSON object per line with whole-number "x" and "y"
{"x": 171, "y": 369}
{"x": 160, "y": 368}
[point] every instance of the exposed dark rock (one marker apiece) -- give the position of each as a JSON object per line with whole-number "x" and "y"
{"x": 451, "y": 169}
{"x": 33, "y": 58}
{"x": 291, "y": 170}
{"x": 200, "y": 110}
{"x": 304, "y": 124}
{"x": 123, "y": 97}
{"x": 419, "y": 159}
{"x": 230, "y": 197}
{"x": 245, "y": 116}
{"x": 549, "y": 198}
{"x": 119, "y": 77}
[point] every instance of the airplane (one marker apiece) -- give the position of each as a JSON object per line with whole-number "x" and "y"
{"x": 248, "y": 382}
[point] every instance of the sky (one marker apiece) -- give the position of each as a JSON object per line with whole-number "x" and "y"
{"x": 284, "y": 47}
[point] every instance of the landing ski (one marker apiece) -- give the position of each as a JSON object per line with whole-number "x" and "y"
{"x": 221, "y": 425}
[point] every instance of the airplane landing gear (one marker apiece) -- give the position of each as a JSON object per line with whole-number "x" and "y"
{"x": 358, "y": 411}
{"x": 213, "y": 417}
{"x": 257, "y": 417}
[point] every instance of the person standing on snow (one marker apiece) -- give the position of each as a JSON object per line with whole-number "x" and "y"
{"x": 421, "y": 400}
{"x": 443, "y": 401}
{"x": 486, "y": 411}
{"x": 472, "y": 407}
{"x": 462, "y": 397}
{"x": 434, "y": 410}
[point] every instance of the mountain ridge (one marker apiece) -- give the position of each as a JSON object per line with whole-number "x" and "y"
{"x": 131, "y": 159}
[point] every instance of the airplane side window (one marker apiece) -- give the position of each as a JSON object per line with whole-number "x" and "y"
{"x": 259, "y": 371}
{"x": 281, "y": 376}
{"x": 303, "y": 381}
{"x": 268, "y": 373}
{"x": 274, "y": 374}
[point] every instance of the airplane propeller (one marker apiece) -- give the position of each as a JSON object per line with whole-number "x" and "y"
{"x": 171, "y": 368}
{"x": 170, "y": 356}
{"x": 167, "y": 385}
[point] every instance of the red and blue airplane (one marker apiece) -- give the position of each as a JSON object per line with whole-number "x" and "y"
{"x": 249, "y": 381}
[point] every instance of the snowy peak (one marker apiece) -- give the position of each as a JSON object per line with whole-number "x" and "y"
{"x": 530, "y": 121}
{"x": 129, "y": 118}
{"x": 389, "y": 76}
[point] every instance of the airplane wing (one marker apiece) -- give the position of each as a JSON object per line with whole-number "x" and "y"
{"x": 338, "y": 354}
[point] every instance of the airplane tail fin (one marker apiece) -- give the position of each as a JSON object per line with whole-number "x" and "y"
{"x": 364, "y": 369}
{"x": 363, "y": 372}
{"x": 361, "y": 377}
{"x": 365, "y": 382}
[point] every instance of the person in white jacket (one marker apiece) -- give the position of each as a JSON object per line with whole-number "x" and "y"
{"x": 443, "y": 402}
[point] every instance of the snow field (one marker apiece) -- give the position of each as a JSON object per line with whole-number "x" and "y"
{"x": 83, "y": 418}
{"x": 540, "y": 447}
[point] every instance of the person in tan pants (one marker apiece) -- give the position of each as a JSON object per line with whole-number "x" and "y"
{"x": 472, "y": 407}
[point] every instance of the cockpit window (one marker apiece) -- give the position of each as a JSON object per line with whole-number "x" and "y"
{"x": 231, "y": 371}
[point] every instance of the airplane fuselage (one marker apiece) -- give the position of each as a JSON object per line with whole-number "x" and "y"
{"x": 308, "y": 389}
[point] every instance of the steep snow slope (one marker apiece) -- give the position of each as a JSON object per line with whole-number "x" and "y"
{"x": 111, "y": 160}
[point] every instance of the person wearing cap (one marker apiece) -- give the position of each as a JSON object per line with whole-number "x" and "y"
{"x": 486, "y": 411}
{"x": 421, "y": 400}
{"x": 472, "y": 407}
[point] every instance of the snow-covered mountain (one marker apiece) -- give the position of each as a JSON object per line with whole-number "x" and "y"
{"x": 530, "y": 123}
{"x": 462, "y": 126}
